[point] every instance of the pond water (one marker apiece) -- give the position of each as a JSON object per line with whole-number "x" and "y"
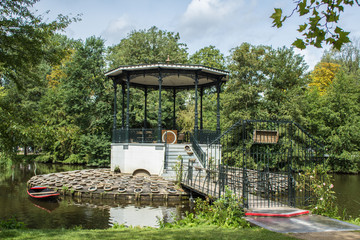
{"x": 347, "y": 189}
{"x": 68, "y": 212}
{"x": 95, "y": 213}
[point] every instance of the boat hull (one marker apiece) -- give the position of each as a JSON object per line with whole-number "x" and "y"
{"x": 39, "y": 192}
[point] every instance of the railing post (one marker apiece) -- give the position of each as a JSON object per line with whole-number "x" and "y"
{"x": 196, "y": 128}
{"x": 159, "y": 110}
{"x": 291, "y": 189}
{"x": 190, "y": 172}
{"x": 145, "y": 107}
{"x": 127, "y": 107}
{"x": 181, "y": 169}
{"x": 166, "y": 153}
{"x": 114, "y": 136}
{"x": 218, "y": 85}
{"x": 245, "y": 179}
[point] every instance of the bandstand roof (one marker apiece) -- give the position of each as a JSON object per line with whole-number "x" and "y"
{"x": 173, "y": 75}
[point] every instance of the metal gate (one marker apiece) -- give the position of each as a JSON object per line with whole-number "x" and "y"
{"x": 259, "y": 161}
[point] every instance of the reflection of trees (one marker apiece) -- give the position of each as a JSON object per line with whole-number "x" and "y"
{"x": 19, "y": 172}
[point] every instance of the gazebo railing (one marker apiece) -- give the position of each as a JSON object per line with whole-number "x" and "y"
{"x": 149, "y": 135}
{"x": 138, "y": 135}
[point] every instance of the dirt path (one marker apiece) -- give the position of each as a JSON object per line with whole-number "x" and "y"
{"x": 327, "y": 235}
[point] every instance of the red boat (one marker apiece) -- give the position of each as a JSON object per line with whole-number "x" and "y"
{"x": 40, "y": 192}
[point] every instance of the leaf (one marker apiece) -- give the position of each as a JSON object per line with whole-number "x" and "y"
{"x": 276, "y": 16}
{"x": 303, "y": 8}
{"x": 299, "y": 43}
{"x": 302, "y": 27}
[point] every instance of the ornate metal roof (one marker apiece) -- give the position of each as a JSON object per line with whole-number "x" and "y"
{"x": 172, "y": 75}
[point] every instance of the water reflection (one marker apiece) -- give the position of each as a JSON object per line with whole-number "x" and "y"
{"x": 347, "y": 187}
{"x": 135, "y": 216}
{"x": 46, "y": 205}
{"x": 69, "y": 212}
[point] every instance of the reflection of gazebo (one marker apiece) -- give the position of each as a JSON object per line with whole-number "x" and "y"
{"x": 162, "y": 76}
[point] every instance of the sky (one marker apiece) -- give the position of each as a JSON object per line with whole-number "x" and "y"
{"x": 223, "y": 23}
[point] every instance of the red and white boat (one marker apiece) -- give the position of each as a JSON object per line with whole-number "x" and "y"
{"x": 40, "y": 192}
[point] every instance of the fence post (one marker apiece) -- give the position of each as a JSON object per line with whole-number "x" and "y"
{"x": 291, "y": 189}
{"x": 181, "y": 169}
{"x": 245, "y": 180}
{"x": 166, "y": 153}
{"x": 190, "y": 172}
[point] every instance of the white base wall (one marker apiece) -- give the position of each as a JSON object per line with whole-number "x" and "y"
{"x": 130, "y": 157}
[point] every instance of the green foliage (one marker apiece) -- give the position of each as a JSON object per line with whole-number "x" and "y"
{"x": 75, "y": 108}
{"x": 334, "y": 117}
{"x": 348, "y": 57}
{"x": 24, "y": 37}
{"x": 117, "y": 169}
{"x": 148, "y": 46}
{"x": 265, "y": 83}
{"x": 319, "y": 183}
{"x": 118, "y": 226}
{"x": 178, "y": 168}
{"x": 355, "y": 221}
{"x": 209, "y": 56}
{"x": 321, "y": 25}
{"x": 200, "y": 232}
{"x": 225, "y": 212}
{"x": 77, "y": 227}
{"x": 11, "y": 223}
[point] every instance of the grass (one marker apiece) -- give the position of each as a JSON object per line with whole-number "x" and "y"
{"x": 199, "y": 232}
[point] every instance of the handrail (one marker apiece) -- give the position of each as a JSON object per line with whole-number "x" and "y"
{"x": 166, "y": 152}
{"x": 308, "y": 135}
{"x": 226, "y": 132}
{"x": 197, "y": 150}
{"x": 289, "y": 122}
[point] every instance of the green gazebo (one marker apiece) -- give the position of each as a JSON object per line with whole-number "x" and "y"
{"x": 173, "y": 77}
{"x": 147, "y": 149}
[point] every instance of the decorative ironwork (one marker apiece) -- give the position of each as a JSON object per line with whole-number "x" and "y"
{"x": 263, "y": 175}
{"x": 135, "y": 135}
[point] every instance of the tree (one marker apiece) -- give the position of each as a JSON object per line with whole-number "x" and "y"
{"x": 334, "y": 118}
{"x": 285, "y": 80}
{"x": 265, "y": 83}
{"x": 242, "y": 94}
{"x": 24, "y": 37}
{"x": 148, "y": 46}
{"x": 210, "y": 57}
{"x": 322, "y": 22}
{"x": 323, "y": 76}
{"x": 348, "y": 57}
{"x": 76, "y": 107}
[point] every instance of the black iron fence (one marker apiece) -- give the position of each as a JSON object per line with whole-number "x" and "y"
{"x": 148, "y": 135}
{"x": 259, "y": 161}
{"x": 138, "y": 135}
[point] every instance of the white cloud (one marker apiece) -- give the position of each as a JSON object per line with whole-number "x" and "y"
{"x": 312, "y": 55}
{"x": 118, "y": 29}
{"x": 207, "y": 16}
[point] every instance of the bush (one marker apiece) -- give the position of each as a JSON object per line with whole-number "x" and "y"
{"x": 11, "y": 223}
{"x": 318, "y": 182}
{"x": 224, "y": 212}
